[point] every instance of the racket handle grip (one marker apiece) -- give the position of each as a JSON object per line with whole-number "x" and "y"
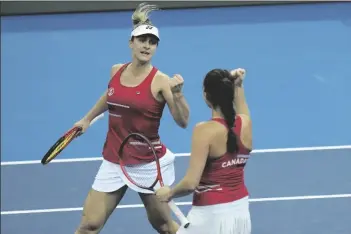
{"x": 96, "y": 118}
{"x": 181, "y": 217}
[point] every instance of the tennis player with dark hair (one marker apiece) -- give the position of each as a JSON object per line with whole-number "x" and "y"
{"x": 135, "y": 99}
{"x": 220, "y": 150}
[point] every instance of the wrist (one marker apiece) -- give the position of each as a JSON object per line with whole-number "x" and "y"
{"x": 171, "y": 194}
{"x": 87, "y": 118}
{"x": 240, "y": 85}
{"x": 178, "y": 95}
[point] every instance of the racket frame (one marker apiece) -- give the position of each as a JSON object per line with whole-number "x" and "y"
{"x": 76, "y": 130}
{"x": 48, "y": 157}
{"x": 181, "y": 217}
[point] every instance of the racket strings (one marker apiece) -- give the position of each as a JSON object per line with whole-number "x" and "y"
{"x": 143, "y": 175}
{"x": 61, "y": 145}
{"x": 65, "y": 142}
{"x": 135, "y": 146}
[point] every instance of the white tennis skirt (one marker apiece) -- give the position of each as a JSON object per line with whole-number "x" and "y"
{"x": 110, "y": 177}
{"x": 227, "y": 218}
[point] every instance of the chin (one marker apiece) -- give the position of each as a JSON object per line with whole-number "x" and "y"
{"x": 144, "y": 60}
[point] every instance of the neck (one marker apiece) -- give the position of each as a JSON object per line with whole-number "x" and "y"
{"x": 138, "y": 67}
{"x": 217, "y": 114}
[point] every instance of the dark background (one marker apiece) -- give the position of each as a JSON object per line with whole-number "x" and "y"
{"x": 54, "y": 7}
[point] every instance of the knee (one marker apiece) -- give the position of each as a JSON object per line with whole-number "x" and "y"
{"x": 89, "y": 227}
{"x": 160, "y": 224}
{"x": 162, "y": 228}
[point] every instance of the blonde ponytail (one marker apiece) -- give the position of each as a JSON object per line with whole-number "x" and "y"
{"x": 141, "y": 14}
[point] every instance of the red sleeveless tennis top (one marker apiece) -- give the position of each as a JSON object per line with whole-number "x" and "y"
{"x": 223, "y": 178}
{"x": 132, "y": 109}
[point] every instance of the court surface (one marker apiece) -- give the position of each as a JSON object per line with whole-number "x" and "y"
{"x": 306, "y": 190}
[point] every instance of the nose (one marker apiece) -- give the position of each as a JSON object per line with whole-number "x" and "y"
{"x": 147, "y": 45}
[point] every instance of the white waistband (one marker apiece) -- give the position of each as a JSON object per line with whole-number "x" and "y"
{"x": 238, "y": 205}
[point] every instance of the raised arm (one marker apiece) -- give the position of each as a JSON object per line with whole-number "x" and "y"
{"x": 172, "y": 92}
{"x": 242, "y": 108}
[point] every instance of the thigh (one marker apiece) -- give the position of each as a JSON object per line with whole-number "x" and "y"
{"x": 98, "y": 207}
{"x": 157, "y": 209}
{"x": 159, "y": 214}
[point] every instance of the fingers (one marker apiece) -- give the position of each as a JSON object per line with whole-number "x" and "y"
{"x": 83, "y": 125}
{"x": 238, "y": 73}
{"x": 163, "y": 194}
{"x": 162, "y": 198}
{"x": 178, "y": 79}
{"x": 81, "y": 131}
{"x": 176, "y": 83}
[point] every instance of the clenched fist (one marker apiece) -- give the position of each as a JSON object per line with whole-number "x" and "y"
{"x": 176, "y": 83}
{"x": 238, "y": 76}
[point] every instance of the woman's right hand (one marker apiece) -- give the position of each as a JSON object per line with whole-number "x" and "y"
{"x": 84, "y": 124}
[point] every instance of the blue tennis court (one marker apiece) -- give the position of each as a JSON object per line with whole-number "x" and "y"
{"x": 298, "y": 63}
{"x": 301, "y": 191}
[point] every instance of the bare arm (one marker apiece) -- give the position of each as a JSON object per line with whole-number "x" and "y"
{"x": 240, "y": 103}
{"x": 199, "y": 153}
{"x": 101, "y": 105}
{"x": 242, "y": 109}
{"x": 176, "y": 102}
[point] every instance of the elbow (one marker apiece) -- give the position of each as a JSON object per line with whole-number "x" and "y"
{"x": 182, "y": 122}
{"x": 185, "y": 122}
{"x": 191, "y": 186}
{"x": 182, "y": 119}
{"x": 191, "y": 189}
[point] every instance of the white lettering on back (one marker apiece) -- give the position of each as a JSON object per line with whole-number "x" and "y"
{"x": 235, "y": 161}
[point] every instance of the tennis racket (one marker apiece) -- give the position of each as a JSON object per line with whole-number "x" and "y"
{"x": 64, "y": 141}
{"x": 136, "y": 143}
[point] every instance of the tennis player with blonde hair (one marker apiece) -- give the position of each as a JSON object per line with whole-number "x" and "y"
{"x": 220, "y": 149}
{"x": 135, "y": 99}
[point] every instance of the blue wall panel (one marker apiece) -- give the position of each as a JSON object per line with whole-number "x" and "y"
{"x": 54, "y": 67}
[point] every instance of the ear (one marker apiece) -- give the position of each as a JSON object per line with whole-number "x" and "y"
{"x": 207, "y": 96}
{"x": 204, "y": 95}
{"x": 206, "y": 99}
{"x": 131, "y": 44}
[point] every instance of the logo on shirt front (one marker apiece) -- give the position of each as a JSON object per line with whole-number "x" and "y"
{"x": 110, "y": 91}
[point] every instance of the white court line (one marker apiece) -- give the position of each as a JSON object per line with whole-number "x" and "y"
{"x": 259, "y": 151}
{"x": 15, "y": 212}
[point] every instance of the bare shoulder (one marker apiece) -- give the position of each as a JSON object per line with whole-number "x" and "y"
{"x": 245, "y": 120}
{"x": 115, "y": 68}
{"x": 205, "y": 129}
{"x": 161, "y": 84}
{"x": 161, "y": 77}
{"x": 202, "y": 125}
